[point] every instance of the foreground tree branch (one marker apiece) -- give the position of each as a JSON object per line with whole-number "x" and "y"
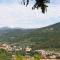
{"x": 39, "y": 4}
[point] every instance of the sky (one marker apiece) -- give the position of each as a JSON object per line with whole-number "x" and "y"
{"x": 12, "y": 14}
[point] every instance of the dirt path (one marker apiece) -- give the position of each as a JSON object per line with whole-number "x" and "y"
{"x": 50, "y": 59}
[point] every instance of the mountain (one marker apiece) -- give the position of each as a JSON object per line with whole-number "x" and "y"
{"x": 46, "y": 37}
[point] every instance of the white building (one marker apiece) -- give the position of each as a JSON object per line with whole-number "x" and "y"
{"x": 28, "y": 49}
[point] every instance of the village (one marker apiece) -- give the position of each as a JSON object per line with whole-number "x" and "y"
{"x": 45, "y": 54}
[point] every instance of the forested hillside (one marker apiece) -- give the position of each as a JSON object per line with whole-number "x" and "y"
{"x": 46, "y": 37}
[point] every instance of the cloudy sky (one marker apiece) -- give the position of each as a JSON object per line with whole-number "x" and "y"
{"x": 12, "y": 14}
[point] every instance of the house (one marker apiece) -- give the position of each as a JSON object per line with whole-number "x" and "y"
{"x": 28, "y": 49}
{"x": 2, "y": 47}
{"x": 42, "y": 52}
{"x": 5, "y": 46}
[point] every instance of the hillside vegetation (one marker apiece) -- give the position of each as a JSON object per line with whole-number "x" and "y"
{"x": 46, "y": 37}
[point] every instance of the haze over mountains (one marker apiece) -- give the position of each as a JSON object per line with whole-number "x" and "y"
{"x": 46, "y": 37}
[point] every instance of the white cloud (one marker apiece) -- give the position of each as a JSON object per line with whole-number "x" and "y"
{"x": 19, "y": 16}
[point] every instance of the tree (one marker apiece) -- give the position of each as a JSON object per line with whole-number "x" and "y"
{"x": 38, "y": 4}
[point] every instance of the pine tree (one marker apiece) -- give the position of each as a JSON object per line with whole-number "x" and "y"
{"x": 38, "y": 4}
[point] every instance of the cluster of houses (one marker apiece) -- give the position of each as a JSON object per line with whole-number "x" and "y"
{"x": 49, "y": 54}
{"x": 44, "y": 53}
{"x": 10, "y": 48}
{"x": 5, "y": 47}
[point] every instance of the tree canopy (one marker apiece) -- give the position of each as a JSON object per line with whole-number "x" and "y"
{"x": 38, "y": 4}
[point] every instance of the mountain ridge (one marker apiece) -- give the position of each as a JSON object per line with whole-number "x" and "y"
{"x": 46, "y": 37}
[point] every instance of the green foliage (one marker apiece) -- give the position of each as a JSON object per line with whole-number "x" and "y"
{"x": 47, "y": 37}
{"x": 19, "y": 57}
{"x": 37, "y": 56}
{"x": 38, "y": 4}
{"x": 4, "y": 55}
{"x": 22, "y": 53}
